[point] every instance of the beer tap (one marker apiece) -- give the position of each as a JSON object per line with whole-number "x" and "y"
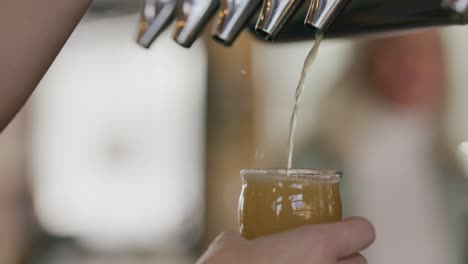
{"x": 292, "y": 20}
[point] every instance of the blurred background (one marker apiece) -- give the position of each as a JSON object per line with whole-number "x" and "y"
{"x": 126, "y": 155}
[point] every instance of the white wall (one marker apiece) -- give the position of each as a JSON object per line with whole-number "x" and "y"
{"x": 118, "y": 139}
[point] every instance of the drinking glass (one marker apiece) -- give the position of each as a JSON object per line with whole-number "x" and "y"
{"x": 275, "y": 200}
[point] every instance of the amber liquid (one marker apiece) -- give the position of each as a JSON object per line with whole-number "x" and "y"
{"x": 299, "y": 92}
{"x": 269, "y": 205}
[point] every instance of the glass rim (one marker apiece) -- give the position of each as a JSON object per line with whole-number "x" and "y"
{"x": 303, "y": 174}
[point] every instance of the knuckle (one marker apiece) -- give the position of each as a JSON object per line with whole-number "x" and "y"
{"x": 229, "y": 255}
{"x": 227, "y": 237}
{"x": 226, "y": 248}
{"x": 360, "y": 259}
{"x": 322, "y": 240}
{"x": 315, "y": 232}
{"x": 321, "y": 233}
{"x": 365, "y": 227}
{"x": 218, "y": 257}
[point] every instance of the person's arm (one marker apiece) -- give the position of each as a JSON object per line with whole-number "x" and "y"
{"x": 32, "y": 33}
{"x": 338, "y": 243}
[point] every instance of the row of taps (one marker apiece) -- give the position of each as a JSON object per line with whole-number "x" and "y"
{"x": 192, "y": 16}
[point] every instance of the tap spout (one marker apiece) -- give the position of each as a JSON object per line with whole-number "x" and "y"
{"x": 322, "y": 13}
{"x": 156, "y": 16}
{"x": 191, "y": 18}
{"x": 233, "y": 16}
{"x": 274, "y": 15}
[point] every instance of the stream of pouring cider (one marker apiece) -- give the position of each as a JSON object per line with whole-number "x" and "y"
{"x": 276, "y": 200}
{"x": 299, "y": 92}
{"x": 273, "y": 201}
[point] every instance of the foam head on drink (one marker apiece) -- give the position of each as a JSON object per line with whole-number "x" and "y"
{"x": 273, "y": 201}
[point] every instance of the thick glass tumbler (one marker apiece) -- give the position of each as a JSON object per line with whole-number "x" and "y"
{"x": 277, "y": 200}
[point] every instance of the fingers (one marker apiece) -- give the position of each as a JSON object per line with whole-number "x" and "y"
{"x": 338, "y": 243}
{"x": 355, "y": 259}
{"x": 334, "y": 241}
{"x": 351, "y": 236}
